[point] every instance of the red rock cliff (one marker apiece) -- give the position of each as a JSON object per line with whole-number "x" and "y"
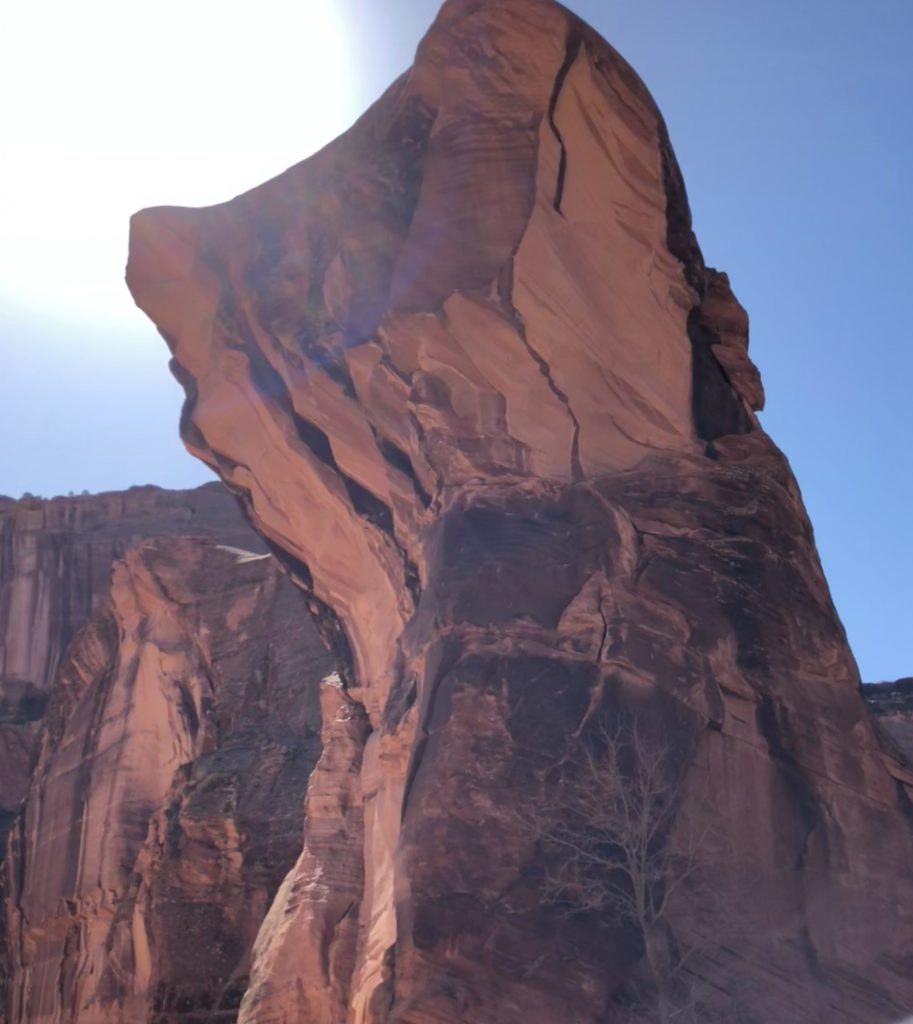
{"x": 166, "y": 804}
{"x": 471, "y": 378}
{"x": 55, "y": 570}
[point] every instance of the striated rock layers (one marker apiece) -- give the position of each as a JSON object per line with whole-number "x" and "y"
{"x": 55, "y": 570}
{"x": 471, "y": 378}
{"x": 182, "y": 724}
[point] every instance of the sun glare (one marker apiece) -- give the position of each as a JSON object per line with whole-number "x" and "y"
{"x": 113, "y": 106}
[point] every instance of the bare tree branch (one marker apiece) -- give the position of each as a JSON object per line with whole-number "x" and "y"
{"x": 616, "y": 841}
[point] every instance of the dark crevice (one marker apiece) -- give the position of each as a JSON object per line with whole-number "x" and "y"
{"x": 604, "y": 638}
{"x": 400, "y": 461}
{"x": 401, "y": 700}
{"x": 297, "y": 569}
{"x": 389, "y": 450}
{"x": 387, "y": 363}
{"x": 418, "y": 755}
{"x": 314, "y": 439}
{"x": 188, "y": 709}
{"x": 327, "y": 622}
{"x": 434, "y": 710}
{"x": 679, "y": 232}
{"x": 717, "y": 409}
{"x": 369, "y": 506}
{"x": 412, "y": 579}
{"x": 570, "y": 55}
{"x": 715, "y": 406}
{"x": 773, "y": 725}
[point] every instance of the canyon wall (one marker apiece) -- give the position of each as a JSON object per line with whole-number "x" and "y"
{"x": 181, "y": 724}
{"x": 471, "y": 378}
{"x": 55, "y": 570}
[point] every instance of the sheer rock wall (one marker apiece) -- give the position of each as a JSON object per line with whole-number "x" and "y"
{"x": 55, "y": 570}
{"x": 164, "y": 807}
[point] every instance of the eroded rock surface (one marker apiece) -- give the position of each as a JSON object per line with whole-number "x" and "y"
{"x": 55, "y": 570}
{"x": 166, "y": 805}
{"x": 470, "y": 376}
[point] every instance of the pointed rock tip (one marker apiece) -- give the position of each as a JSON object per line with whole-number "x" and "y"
{"x": 163, "y": 248}
{"x": 159, "y": 235}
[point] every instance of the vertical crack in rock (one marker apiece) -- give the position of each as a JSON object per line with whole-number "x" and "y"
{"x": 576, "y": 467}
{"x": 570, "y": 55}
{"x": 505, "y": 294}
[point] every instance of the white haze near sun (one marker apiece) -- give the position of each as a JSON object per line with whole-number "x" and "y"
{"x": 118, "y": 105}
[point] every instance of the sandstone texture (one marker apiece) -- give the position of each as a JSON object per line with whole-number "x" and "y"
{"x": 471, "y": 378}
{"x": 55, "y": 570}
{"x": 166, "y": 804}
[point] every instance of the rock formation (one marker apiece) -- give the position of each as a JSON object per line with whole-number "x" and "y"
{"x": 181, "y": 727}
{"x": 471, "y": 378}
{"x": 55, "y": 570}
{"x": 892, "y": 705}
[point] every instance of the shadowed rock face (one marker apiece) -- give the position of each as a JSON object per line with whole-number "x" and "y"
{"x": 475, "y": 386}
{"x": 166, "y": 804}
{"x": 55, "y": 570}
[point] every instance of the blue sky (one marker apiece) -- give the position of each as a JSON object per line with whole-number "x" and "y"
{"x": 790, "y": 121}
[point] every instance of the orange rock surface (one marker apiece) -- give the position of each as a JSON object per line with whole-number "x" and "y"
{"x": 182, "y": 723}
{"x": 471, "y": 378}
{"x": 171, "y": 679}
{"x": 55, "y": 570}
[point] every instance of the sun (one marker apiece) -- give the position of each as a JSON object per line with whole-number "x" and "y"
{"x": 121, "y": 106}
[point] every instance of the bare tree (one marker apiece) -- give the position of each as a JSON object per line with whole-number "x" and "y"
{"x": 618, "y": 843}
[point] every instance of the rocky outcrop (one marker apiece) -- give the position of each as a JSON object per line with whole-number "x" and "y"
{"x": 471, "y": 378}
{"x": 166, "y": 804}
{"x": 55, "y": 570}
{"x": 892, "y": 706}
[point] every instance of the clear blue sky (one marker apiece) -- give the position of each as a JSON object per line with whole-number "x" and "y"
{"x": 790, "y": 119}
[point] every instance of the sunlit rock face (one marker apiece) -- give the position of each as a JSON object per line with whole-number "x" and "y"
{"x": 470, "y": 376}
{"x": 166, "y": 804}
{"x": 55, "y": 570}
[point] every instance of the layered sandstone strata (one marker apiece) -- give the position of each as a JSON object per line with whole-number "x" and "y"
{"x": 166, "y": 805}
{"x": 469, "y": 374}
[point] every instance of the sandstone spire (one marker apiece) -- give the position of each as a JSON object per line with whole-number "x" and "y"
{"x": 473, "y": 382}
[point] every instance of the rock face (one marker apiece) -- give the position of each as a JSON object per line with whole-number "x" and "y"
{"x": 165, "y": 807}
{"x": 55, "y": 570}
{"x": 470, "y": 376}
{"x": 892, "y": 705}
